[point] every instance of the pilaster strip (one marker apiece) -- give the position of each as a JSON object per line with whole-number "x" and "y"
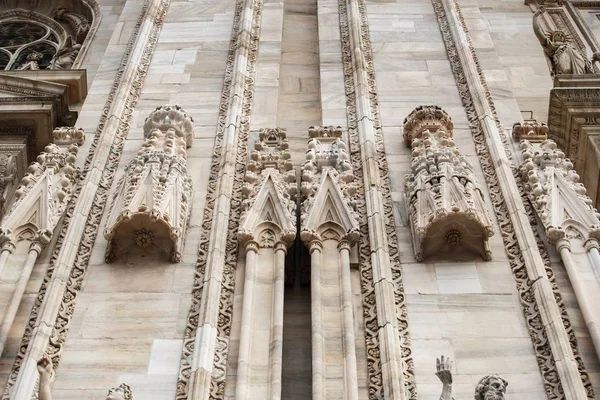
{"x": 206, "y": 341}
{"x": 389, "y": 356}
{"x": 554, "y": 343}
{"x": 47, "y": 327}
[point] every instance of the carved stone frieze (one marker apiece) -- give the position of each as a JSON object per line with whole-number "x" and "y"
{"x": 42, "y": 197}
{"x": 152, "y": 201}
{"x": 446, "y": 206}
{"x": 558, "y": 197}
{"x": 270, "y": 191}
{"x": 530, "y": 130}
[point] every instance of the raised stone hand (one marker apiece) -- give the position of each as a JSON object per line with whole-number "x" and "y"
{"x": 444, "y": 373}
{"x": 46, "y": 370}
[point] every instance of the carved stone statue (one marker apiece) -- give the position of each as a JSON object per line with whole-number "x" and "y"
{"x": 490, "y": 387}
{"x": 65, "y": 57}
{"x": 32, "y": 62}
{"x": 566, "y": 58}
{"x": 46, "y": 371}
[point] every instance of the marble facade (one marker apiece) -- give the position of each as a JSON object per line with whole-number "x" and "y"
{"x": 293, "y": 199}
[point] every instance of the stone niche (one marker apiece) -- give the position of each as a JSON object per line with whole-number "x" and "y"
{"x": 446, "y": 206}
{"x": 151, "y": 204}
{"x": 574, "y": 124}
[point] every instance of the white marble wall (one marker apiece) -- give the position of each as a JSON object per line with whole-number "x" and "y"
{"x": 466, "y": 309}
{"x": 130, "y": 317}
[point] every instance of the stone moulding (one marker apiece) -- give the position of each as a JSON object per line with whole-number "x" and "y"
{"x": 525, "y": 285}
{"x": 206, "y": 340}
{"x": 446, "y": 206}
{"x": 152, "y": 201}
{"x": 82, "y": 218}
{"x": 392, "y": 342}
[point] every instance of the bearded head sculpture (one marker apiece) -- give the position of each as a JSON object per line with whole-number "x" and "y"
{"x": 123, "y": 392}
{"x": 491, "y": 387}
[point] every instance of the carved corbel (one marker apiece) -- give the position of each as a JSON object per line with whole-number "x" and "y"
{"x": 152, "y": 203}
{"x": 446, "y": 207}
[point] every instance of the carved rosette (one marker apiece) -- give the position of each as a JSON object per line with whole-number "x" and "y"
{"x": 45, "y": 190}
{"x": 328, "y": 188}
{"x": 270, "y": 188}
{"x": 532, "y": 131}
{"x": 152, "y": 202}
{"x": 558, "y": 197}
{"x": 446, "y": 207}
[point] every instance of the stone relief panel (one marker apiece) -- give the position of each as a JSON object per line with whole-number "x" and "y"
{"x": 151, "y": 203}
{"x": 446, "y": 207}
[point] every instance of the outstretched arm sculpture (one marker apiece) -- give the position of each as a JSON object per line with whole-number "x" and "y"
{"x": 443, "y": 368}
{"x": 46, "y": 371}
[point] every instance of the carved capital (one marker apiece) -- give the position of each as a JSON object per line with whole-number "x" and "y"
{"x": 169, "y": 117}
{"x": 281, "y": 246}
{"x": 426, "y": 118}
{"x": 562, "y": 243}
{"x": 251, "y": 245}
{"x": 315, "y": 245}
{"x": 344, "y": 245}
{"x": 66, "y": 136}
{"x": 532, "y": 131}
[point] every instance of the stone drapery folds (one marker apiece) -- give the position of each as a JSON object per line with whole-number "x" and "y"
{"x": 151, "y": 204}
{"x": 446, "y": 206}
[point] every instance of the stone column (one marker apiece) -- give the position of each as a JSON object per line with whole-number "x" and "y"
{"x": 276, "y": 360}
{"x": 563, "y": 245}
{"x": 316, "y": 317}
{"x": 244, "y": 353}
{"x": 13, "y": 306}
{"x": 351, "y": 375}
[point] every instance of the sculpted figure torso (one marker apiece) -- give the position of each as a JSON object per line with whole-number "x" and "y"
{"x": 565, "y": 57}
{"x": 490, "y": 387}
